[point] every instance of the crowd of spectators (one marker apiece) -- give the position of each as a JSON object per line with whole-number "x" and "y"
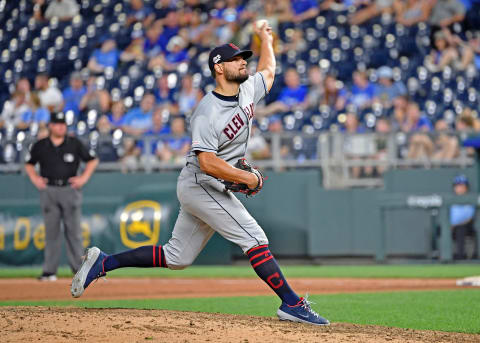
{"x": 167, "y": 36}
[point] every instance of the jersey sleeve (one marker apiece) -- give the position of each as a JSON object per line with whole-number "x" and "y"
{"x": 34, "y": 155}
{"x": 204, "y": 137}
{"x": 84, "y": 154}
{"x": 259, "y": 87}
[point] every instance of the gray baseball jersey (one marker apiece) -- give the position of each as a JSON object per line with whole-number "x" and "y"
{"x": 221, "y": 125}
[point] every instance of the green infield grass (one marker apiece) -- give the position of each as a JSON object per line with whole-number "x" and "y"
{"x": 452, "y": 310}
{"x": 366, "y": 271}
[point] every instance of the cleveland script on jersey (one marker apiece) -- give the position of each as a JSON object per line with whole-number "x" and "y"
{"x": 222, "y": 124}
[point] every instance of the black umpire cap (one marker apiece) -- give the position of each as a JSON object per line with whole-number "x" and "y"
{"x": 57, "y": 117}
{"x": 225, "y": 53}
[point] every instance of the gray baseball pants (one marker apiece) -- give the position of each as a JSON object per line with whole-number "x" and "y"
{"x": 206, "y": 209}
{"x": 61, "y": 204}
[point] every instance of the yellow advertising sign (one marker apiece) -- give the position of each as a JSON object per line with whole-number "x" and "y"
{"x": 39, "y": 237}
{"x": 85, "y": 235}
{"x": 19, "y": 242}
{"x": 140, "y": 218}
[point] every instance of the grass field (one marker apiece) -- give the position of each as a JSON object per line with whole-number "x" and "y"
{"x": 368, "y": 271}
{"x": 456, "y": 311}
{"x": 449, "y": 310}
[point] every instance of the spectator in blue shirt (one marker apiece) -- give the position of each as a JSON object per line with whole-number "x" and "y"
{"x": 156, "y": 134}
{"x": 293, "y": 96}
{"x": 416, "y": 121}
{"x": 178, "y": 144}
{"x": 301, "y": 10}
{"x": 462, "y": 219}
{"x": 74, "y": 94}
{"x": 362, "y": 92}
{"x": 229, "y": 12}
{"x": 294, "y": 93}
{"x": 139, "y": 13}
{"x": 225, "y": 18}
{"x": 35, "y": 114}
{"x": 107, "y": 56}
{"x": 170, "y": 29}
{"x": 386, "y": 90}
{"x": 117, "y": 116}
{"x": 176, "y": 53}
{"x": 151, "y": 44}
{"x": 163, "y": 93}
{"x": 139, "y": 119}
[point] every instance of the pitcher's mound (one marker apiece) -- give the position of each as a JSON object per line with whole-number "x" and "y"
{"x": 51, "y": 324}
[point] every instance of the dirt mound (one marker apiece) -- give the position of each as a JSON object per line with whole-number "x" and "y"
{"x": 50, "y": 324}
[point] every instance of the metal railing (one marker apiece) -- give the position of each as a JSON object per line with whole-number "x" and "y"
{"x": 346, "y": 160}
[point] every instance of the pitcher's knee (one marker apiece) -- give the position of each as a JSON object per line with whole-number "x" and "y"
{"x": 176, "y": 267}
{"x": 178, "y": 264}
{"x": 177, "y": 260}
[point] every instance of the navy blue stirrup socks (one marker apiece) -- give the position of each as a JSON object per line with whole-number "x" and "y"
{"x": 147, "y": 256}
{"x": 268, "y": 270}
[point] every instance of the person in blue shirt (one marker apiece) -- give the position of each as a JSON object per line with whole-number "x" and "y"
{"x": 462, "y": 219}
{"x": 35, "y": 114}
{"x": 139, "y": 119}
{"x": 163, "y": 93}
{"x": 117, "y": 116}
{"x": 361, "y": 93}
{"x": 74, "y": 94}
{"x": 228, "y": 13}
{"x": 139, "y": 13}
{"x": 176, "y": 53}
{"x": 303, "y": 10}
{"x": 156, "y": 134}
{"x": 107, "y": 56}
{"x": 387, "y": 89}
{"x": 293, "y": 96}
{"x": 151, "y": 44}
{"x": 294, "y": 93}
{"x": 178, "y": 144}
{"x": 416, "y": 121}
{"x": 170, "y": 29}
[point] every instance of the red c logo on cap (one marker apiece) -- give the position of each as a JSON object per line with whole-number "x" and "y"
{"x": 234, "y": 46}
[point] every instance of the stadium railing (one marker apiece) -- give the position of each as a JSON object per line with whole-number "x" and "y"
{"x": 345, "y": 160}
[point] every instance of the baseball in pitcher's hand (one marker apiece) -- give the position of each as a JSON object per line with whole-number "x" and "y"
{"x": 264, "y": 32}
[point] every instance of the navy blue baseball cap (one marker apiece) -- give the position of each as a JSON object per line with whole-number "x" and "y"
{"x": 225, "y": 53}
{"x": 460, "y": 180}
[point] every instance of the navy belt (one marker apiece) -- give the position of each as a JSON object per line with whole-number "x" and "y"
{"x": 58, "y": 182}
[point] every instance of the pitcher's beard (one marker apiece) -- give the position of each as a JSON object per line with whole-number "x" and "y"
{"x": 238, "y": 78}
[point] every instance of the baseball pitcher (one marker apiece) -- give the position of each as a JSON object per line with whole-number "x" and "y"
{"x": 215, "y": 169}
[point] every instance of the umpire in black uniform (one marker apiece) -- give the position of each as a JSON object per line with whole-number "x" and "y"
{"x": 59, "y": 157}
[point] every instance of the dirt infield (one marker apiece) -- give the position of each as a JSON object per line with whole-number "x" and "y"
{"x": 49, "y": 324}
{"x": 120, "y": 288}
{"x": 24, "y": 324}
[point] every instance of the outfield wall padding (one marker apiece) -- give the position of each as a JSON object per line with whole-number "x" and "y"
{"x": 300, "y": 217}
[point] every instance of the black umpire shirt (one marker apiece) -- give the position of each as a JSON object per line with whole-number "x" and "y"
{"x": 59, "y": 162}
